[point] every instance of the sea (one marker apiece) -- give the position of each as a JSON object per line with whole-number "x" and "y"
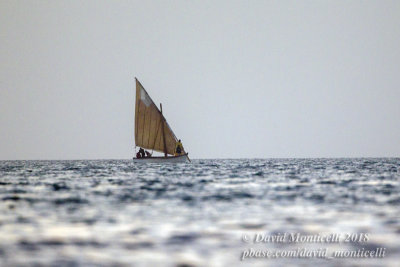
{"x": 211, "y": 212}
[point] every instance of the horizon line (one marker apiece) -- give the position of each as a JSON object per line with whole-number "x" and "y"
{"x": 252, "y": 158}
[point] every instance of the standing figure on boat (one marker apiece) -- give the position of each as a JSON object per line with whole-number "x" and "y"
{"x": 178, "y": 148}
{"x": 141, "y": 153}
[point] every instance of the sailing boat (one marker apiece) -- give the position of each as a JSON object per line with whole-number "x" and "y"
{"x": 152, "y": 130}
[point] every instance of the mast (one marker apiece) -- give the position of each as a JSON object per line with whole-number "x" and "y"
{"x": 163, "y": 133}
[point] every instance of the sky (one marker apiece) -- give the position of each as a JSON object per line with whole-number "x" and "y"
{"x": 237, "y": 79}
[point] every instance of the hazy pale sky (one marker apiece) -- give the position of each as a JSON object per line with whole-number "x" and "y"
{"x": 236, "y": 78}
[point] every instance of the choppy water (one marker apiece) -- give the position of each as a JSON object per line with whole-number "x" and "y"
{"x": 117, "y": 213}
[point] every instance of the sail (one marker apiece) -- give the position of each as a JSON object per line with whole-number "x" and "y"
{"x": 151, "y": 128}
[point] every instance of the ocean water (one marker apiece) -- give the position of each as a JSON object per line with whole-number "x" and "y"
{"x": 204, "y": 213}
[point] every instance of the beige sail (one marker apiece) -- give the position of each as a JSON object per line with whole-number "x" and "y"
{"x": 151, "y": 128}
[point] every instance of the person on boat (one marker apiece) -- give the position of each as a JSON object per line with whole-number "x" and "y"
{"x": 178, "y": 148}
{"x": 141, "y": 152}
{"x": 148, "y": 154}
{"x": 138, "y": 155}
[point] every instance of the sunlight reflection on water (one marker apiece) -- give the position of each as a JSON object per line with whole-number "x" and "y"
{"x": 113, "y": 212}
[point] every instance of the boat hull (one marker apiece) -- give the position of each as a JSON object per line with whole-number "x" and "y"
{"x": 173, "y": 159}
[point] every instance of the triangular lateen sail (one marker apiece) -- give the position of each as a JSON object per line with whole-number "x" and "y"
{"x": 148, "y": 124}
